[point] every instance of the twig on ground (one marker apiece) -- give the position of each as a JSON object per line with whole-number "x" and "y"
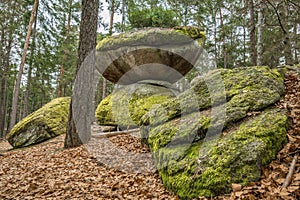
{"x": 115, "y": 133}
{"x": 291, "y": 172}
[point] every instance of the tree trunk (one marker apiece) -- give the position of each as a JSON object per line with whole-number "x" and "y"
{"x": 112, "y": 14}
{"x": 260, "y": 34}
{"x": 87, "y": 44}
{"x": 61, "y": 83}
{"x": 123, "y": 15}
{"x": 3, "y": 87}
{"x": 5, "y": 52}
{"x": 29, "y": 74}
{"x": 223, "y": 39}
{"x": 104, "y": 86}
{"x": 21, "y": 69}
{"x": 244, "y": 45}
{"x": 111, "y": 25}
{"x": 3, "y": 107}
{"x": 285, "y": 28}
{"x": 252, "y": 33}
{"x": 296, "y": 47}
{"x": 215, "y": 38}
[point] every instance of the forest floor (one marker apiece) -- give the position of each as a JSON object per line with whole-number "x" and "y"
{"x": 48, "y": 171}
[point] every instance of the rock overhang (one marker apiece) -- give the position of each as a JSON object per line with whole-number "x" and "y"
{"x": 153, "y": 54}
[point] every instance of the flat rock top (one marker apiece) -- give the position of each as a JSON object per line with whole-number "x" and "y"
{"x": 149, "y": 54}
{"x": 152, "y": 37}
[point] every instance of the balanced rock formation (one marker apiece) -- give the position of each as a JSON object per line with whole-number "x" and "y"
{"x": 220, "y": 131}
{"x": 149, "y": 54}
{"x": 43, "y": 124}
{"x": 126, "y": 105}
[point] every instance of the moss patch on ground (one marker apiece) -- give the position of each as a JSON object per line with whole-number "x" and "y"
{"x": 43, "y": 124}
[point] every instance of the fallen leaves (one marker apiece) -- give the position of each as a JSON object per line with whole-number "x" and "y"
{"x": 47, "y": 171}
{"x": 273, "y": 176}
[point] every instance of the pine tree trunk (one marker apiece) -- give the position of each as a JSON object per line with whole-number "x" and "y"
{"x": 111, "y": 25}
{"x": 296, "y": 47}
{"x": 244, "y": 45}
{"x": 223, "y": 40}
{"x": 287, "y": 41}
{"x": 2, "y": 86}
{"x": 61, "y": 83}
{"x": 3, "y": 107}
{"x": 123, "y": 15}
{"x": 260, "y": 34}
{"x": 112, "y": 14}
{"x": 16, "y": 92}
{"x": 215, "y": 38}
{"x": 252, "y": 33}
{"x": 29, "y": 74}
{"x": 87, "y": 44}
{"x": 104, "y": 86}
{"x": 5, "y": 51}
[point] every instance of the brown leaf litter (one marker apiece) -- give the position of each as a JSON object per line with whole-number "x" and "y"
{"x": 95, "y": 171}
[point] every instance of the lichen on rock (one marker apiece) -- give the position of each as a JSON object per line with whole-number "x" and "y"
{"x": 43, "y": 124}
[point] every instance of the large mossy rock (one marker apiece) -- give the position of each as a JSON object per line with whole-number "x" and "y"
{"x": 126, "y": 105}
{"x": 149, "y": 54}
{"x": 43, "y": 124}
{"x": 219, "y": 132}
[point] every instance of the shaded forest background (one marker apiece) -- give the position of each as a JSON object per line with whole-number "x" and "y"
{"x": 239, "y": 33}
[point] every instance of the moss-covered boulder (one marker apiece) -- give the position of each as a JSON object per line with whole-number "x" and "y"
{"x": 126, "y": 105}
{"x": 152, "y": 53}
{"x": 219, "y": 132}
{"x": 242, "y": 89}
{"x": 43, "y": 124}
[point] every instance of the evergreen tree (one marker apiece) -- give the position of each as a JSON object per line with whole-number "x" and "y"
{"x": 87, "y": 44}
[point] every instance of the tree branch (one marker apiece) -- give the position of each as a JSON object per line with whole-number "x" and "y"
{"x": 278, "y": 17}
{"x": 114, "y": 133}
{"x": 291, "y": 172}
{"x": 295, "y": 4}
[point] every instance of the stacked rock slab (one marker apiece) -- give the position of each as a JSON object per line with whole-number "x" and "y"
{"x": 43, "y": 124}
{"x": 144, "y": 63}
{"x": 219, "y": 132}
{"x": 149, "y": 54}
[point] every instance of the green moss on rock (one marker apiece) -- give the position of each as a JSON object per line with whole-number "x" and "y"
{"x": 206, "y": 168}
{"x": 154, "y": 36}
{"x": 43, "y": 124}
{"x": 192, "y": 158}
{"x": 126, "y": 105}
{"x": 250, "y": 88}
